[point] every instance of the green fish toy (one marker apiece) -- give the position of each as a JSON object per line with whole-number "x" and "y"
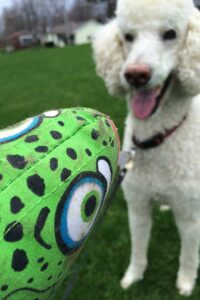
{"x": 55, "y": 172}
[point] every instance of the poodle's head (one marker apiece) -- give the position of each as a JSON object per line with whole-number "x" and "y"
{"x": 146, "y": 50}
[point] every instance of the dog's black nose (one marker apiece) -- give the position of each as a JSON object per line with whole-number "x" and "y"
{"x": 137, "y": 75}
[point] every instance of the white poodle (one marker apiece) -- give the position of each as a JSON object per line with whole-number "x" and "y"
{"x": 151, "y": 54}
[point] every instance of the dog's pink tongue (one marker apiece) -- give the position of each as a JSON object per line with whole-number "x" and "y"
{"x": 144, "y": 103}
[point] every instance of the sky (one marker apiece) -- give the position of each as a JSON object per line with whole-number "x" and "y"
{"x": 4, "y": 3}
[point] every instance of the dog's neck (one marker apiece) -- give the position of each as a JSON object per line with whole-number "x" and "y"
{"x": 170, "y": 114}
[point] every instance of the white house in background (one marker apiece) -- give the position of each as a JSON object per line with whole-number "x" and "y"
{"x": 51, "y": 40}
{"x": 85, "y": 33}
{"x": 72, "y": 33}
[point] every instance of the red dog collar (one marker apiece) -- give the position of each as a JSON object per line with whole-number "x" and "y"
{"x": 157, "y": 139}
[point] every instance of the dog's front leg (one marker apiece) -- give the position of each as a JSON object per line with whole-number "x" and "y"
{"x": 189, "y": 257}
{"x": 140, "y": 222}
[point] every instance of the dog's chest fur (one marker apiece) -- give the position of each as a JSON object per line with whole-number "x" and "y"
{"x": 172, "y": 168}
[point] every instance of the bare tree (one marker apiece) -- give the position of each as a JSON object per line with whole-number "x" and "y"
{"x": 13, "y": 19}
{"x": 111, "y": 6}
{"x": 33, "y": 15}
{"x": 28, "y": 9}
{"x": 81, "y": 11}
{"x": 39, "y": 16}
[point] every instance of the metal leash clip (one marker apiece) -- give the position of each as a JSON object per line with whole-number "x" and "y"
{"x": 126, "y": 160}
{"x": 125, "y": 163}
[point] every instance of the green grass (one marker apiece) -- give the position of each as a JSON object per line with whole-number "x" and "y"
{"x": 37, "y": 80}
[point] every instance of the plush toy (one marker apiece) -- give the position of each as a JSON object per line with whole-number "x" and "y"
{"x": 55, "y": 172}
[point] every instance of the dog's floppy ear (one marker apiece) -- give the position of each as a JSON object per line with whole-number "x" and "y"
{"x": 109, "y": 57}
{"x": 189, "y": 67}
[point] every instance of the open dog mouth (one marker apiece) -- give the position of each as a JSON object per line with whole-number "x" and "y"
{"x": 145, "y": 103}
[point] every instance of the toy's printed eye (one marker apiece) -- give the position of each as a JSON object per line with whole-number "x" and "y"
{"x": 104, "y": 167}
{"x": 17, "y": 131}
{"x": 52, "y": 113}
{"x": 78, "y": 209}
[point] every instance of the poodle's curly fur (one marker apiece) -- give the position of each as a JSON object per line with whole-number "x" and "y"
{"x": 170, "y": 172}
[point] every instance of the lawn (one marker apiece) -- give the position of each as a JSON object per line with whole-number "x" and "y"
{"x": 37, "y": 80}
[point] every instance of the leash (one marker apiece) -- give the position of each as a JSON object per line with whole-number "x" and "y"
{"x": 125, "y": 163}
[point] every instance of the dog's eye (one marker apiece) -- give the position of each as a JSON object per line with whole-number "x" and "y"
{"x": 169, "y": 35}
{"x": 129, "y": 37}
